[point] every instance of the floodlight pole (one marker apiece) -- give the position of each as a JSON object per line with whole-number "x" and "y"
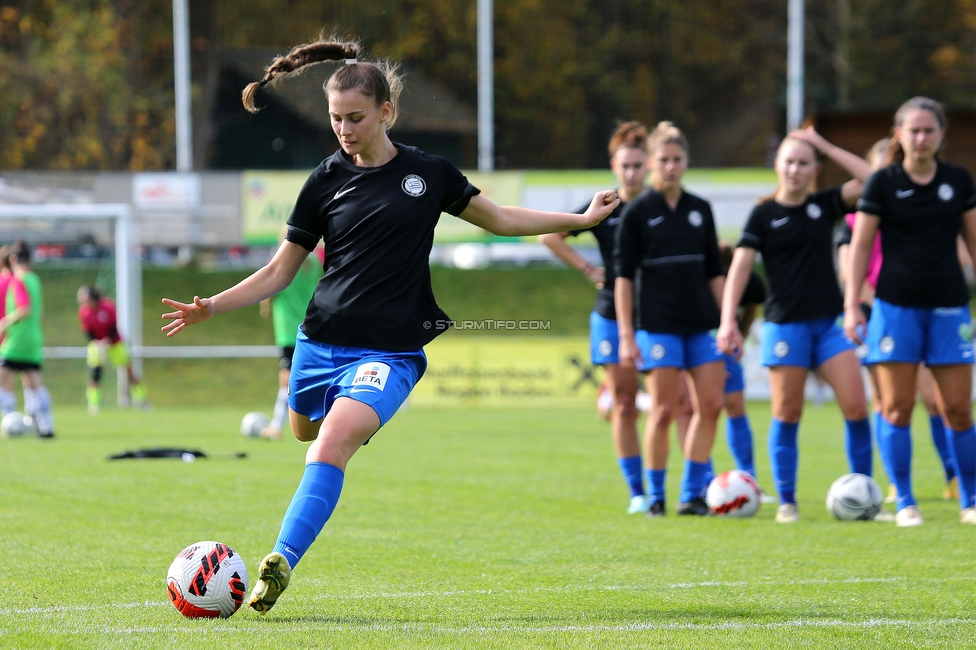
{"x": 486, "y": 93}
{"x": 181, "y": 82}
{"x": 794, "y": 66}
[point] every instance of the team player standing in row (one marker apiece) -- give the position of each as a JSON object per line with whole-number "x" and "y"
{"x": 669, "y": 282}
{"x": 920, "y": 205}
{"x": 360, "y": 349}
{"x": 628, "y": 161}
{"x": 793, "y": 230}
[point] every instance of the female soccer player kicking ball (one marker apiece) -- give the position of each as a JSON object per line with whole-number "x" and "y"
{"x": 360, "y": 349}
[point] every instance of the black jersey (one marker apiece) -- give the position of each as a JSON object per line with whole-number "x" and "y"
{"x": 671, "y": 255}
{"x": 796, "y": 243}
{"x": 919, "y": 225}
{"x": 604, "y": 234}
{"x": 755, "y": 291}
{"x": 378, "y": 226}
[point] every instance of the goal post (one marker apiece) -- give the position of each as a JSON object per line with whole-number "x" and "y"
{"x": 50, "y": 224}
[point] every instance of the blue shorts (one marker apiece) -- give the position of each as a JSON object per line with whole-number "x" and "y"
{"x": 939, "y": 336}
{"x": 735, "y": 379}
{"x": 603, "y": 340}
{"x": 686, "y": 351}
{"x": 321, "y": 372}
{"x": 808, "y": 343}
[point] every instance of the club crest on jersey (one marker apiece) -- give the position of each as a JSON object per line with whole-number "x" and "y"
{"x": 414, "y": 185}
{"x": 814, "y": 211}
{"x": 946, "y": 192}
{"x": 372, "y": 375}
{"x": 695, "y": 218}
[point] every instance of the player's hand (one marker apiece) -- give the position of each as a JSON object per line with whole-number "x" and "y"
{"x": 729, "y": 340}
{"x": 811, "y": 137}
{"x": 597, "y": 275}
{"x": 186, "y": 314}
{"x": 601, "y": 206}
{"x": 628, "y": 353}
{"x": 854, "y": 323}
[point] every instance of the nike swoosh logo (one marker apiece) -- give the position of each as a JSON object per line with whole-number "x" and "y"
{"x": 776, "y": 223}
{"x": 613, "y": 221}
{"x": 342, "y": 193}
{"x": 655, "y": 221}
{"x": 903, "y": 194}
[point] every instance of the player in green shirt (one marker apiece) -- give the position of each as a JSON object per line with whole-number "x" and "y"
{"x": 287, "y": 310}
{"x": 20, "y": 351}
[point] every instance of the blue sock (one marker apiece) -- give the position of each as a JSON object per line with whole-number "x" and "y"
{"x": 963, "y": 449}
{"x": 692, "y": 480}
{"x": 739, "y": 434}
{"x": 877, "y": 439}
{"x": 859, "y": 452}
{"x": 941, "y": 446}
{"x": 783, "y": 455}
{"x": 896, "y": 445}
{"x": 310, "y": 508}
{"x": 709, "y": 475}
{"x": 631, "y": 468}
{"x": 655, "y": 484}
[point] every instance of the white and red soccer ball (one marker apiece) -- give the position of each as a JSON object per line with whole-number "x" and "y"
{"x": 207, "y": 580}
{"x": 733, "y": 494}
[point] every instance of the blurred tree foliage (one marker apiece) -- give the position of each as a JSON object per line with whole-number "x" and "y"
{"x": 87, "y": 84}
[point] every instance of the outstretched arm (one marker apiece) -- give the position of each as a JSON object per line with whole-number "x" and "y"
{"x": 513, "y": 221}
{"x": 263, "y": 283}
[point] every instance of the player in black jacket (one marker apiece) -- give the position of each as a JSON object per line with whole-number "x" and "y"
{"x": 669, "y": 282}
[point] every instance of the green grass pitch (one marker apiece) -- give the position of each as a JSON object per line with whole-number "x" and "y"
{"x": 462, "y": 529}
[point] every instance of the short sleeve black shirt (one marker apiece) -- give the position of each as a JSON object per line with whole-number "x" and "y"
{"x": 755, "y": 291}
{"x": 919, "y": 225}
{"x": 378, "y": 226}
{"x": 671, "y": 255}
{"x": 604, "y": 234}
{"x": 796, "y": 243}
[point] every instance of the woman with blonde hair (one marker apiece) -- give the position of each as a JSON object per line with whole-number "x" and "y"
{"x": 794, "y": 230}
{"x": 669, "y": 282}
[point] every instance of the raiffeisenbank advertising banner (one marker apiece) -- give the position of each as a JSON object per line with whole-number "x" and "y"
{"x": 507, "y": 370}
{"x": 268, "y": 197}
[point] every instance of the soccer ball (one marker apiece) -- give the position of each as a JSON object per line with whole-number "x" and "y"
{"x": 733, "y": 494}
{"x": 207, "y": 580}
{"x": 854, "y": 497}
{"x": 15, "y": 425}
{"x": 253, "y": 423}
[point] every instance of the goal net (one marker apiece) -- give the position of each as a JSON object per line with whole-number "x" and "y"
{"x": 75, "y": 245}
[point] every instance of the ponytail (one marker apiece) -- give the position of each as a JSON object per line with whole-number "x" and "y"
{"x": 379, "y": 80}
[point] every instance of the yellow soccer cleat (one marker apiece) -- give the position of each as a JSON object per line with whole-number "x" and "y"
{"x": 273, "y": 575}
{"x": 951, "y": 492}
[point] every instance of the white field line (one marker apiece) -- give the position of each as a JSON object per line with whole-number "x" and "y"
{"x": 224, "y": 628}
{"x": 481, "y": 592}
